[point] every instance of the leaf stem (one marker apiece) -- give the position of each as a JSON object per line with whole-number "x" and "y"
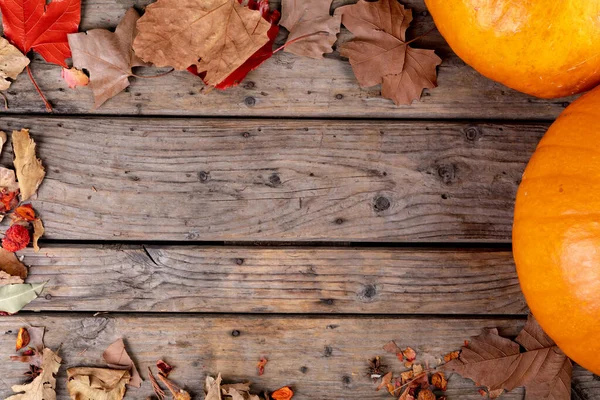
{"x": 420, "y": 37}
{"x": 48, "y": 106}
{"x": 153, "y": 76}
{"x": 322, "y": 33}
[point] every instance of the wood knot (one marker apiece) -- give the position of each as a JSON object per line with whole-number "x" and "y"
{"x": 250, "y": 101}
{"x": 235, "y": 333}
{"x": 346, "y": 380}
{"x": 203, "y": 176}
{"x": 327, "y": 351}
{"x": 339, "y": 221}
{"x": 367, "y": 293}
{"x": 304, "y": 369}
{"x": 472, "y": 133}
{"x": 239, "y": 261}
{"x": 381, "y": 204}
{"x": 249, "y": 85}
{"x": 274, "y": 180}
{"x": 447, "y": 173}
{"x": 246, "y": 134}
{"x": 339, "y": 96}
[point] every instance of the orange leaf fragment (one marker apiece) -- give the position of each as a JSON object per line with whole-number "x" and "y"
{"x": 261, "y": 365}
{"x": 451, "y": 356}
{"x": 285, "y": 393}
{"x": 439, "y": 381}
{"x": 9, "y": 200}
{"x": 74, "y": 77}
{"x": 426, "y": 394}
{"x": 25, "y": 212}
{"x": 410, "y": 354}
{"x": 22, "y": 338}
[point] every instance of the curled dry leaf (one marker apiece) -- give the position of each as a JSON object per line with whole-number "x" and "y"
{"x": 304, "y": 19}
{"x": 12, "y": 63}
{"x": 285, "y": 393}
{"x": 74, "y": 77}
{"x": 22, "y": 339}
{"x": 30, "y": 171}
{"x": 163, "y": 368}
{"x": 10, "y": 264}
{"x": 439, "y": 381}
{"x": 116, "y": 356}
{"x": 107, "y": 56}
{"x": 452, "y": 355}
{"x": 43, "y": 387}
{"x": 6, "y": 279}
{"x": 386, "y": 381}
{"x": 212, "y": 388}
{"x": 16, "y": 238}
{"x": 216, "y": 36}
{"x": 97, "y": 383}
{"x": 379, "y": 53}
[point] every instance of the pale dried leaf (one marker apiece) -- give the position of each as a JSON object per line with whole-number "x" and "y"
{"x": 3, "y": 139}
{"x": 12, "y": 63}
{"x": 307, "y": 17}
{"x": 74, "y": 77}
{"x": 38, "y": 232}
{"x": 6, "y": 279}
{"x": 212, "y": 388}
{"x": 97, "y": 383}
{"x": 107, "y": 56}
{"x": 217, "y": 36}
{"x": 30, "y": 171}
{"x": 44, "y": 386}
{"x": 116, "y": 356}
{"x": 8, "y": 180}
{"x": 14, "y": 297}
{"x": 10, "y": 264}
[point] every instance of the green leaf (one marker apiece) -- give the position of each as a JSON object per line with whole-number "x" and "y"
{"x": 14, "y": 297}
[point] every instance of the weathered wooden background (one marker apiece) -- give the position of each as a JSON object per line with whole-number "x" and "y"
{"x": 297, "y": 217}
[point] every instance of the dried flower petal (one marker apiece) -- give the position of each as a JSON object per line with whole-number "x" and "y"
{"x": 285, "y": 393}
{"x": 22, "y": 338}
{"x": 17, "y": 237}
{"x": 163, "y": 368}
{"x": 261, "y": 365}
{"x": 25, "y": 212}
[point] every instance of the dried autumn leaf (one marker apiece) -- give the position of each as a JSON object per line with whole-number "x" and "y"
{"x": 116, "y": 356}
{"x": 177, "y": 392}
{"x": 10, "y": 264}
{"x": 25, "y": 212}
{"x": 285, "y": 393}
{"x": 97, "y": 383}
{"x": 30, "y": 171}
{"x": 16, "y": 238}
{"x": 439, "y": 381}
{"x": 426, "y": 394}
{"x": 385, "y": 380}
{"x": 410, "y": 354}
{"x": 261, "y": 55}
{"x": 451, "y": 356}
{"x": 22, "y": 338}
{"x": 14, "y": 297}
{"x": 8, "y": 180}
{"x": 217, "y": 36}
{"x": 12, "y": 63}
{"x": 74, "y": 77}
{"x": 303, "y": 19}
{"x": 7, "y": 279}
{"x": 212, "y": 388}
{"x": 3, "y": 139}
{"x": 107, "y": 56}
{"x": 497, "y": 363}
{"x": 38, "y": 232}
{"x": 261, "y": 365}
{"x": 33, "y": 354}
{"x": 379, "y": 53}
{"x": 392, "y": 347}
{"x": 43, "y": 386}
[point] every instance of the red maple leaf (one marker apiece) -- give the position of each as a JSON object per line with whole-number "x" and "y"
{"x": 43, "y": 28}
{"x": 262, "y": 55}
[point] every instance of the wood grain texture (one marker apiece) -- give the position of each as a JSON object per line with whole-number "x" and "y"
{"x": 334, "y": 351}
{"x": 174, "y": 179}
{"x": 286, "y": 85}
{"x": 275, "y": 280}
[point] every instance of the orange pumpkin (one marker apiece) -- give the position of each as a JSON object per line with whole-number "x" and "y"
{"x": 546, "y": 48}
{"x": 556, "y": 232}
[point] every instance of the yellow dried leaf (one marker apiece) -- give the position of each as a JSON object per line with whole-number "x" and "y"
{"x": 97, "y": 383}
{"x": 30, "y": 171}
{"x": 42, "y": 387}
{"x": 12, "y": 63}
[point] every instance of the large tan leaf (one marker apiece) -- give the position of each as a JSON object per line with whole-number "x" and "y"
{"x": 116, "y": 356}
{"x": 14, "y": 297}
{"x": 96, "y": 383}
{"x": 43, "y": 387}
{"x": 12, "y": 63}
{"x": 217, "y": 36}
{"x": 307, "y": 17}
{"x": 30, "y": 171}
{"x": 107, "y": 56}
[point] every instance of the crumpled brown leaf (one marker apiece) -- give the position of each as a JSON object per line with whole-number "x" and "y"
{"x": 496, "y": 362}
{"x": 10, "y": 264}
{"x": 116, "y": 357}
{"x": 96, "y": 383}
{"x": 30, "y": 171}
{"x": 12, "y": 63}
{"x": 307, "y": 17}
{"x": 107, "y": 56}
{"x": 44, "y": 386}
{"x": 379, "y": 53}
{"x": 217, "y": 36}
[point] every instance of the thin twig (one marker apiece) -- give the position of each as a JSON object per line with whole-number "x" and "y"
{"x": 157, "y": 389}
{"x": 322, "y": 33}
{"x": 48, "y": 106}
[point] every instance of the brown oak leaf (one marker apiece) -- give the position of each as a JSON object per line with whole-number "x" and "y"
{"x": 12, "y": 63}
{"x": 309, "y": 17}
{"x": 43, "y": 387}
{"x": 379, "y": 52}
{"x": 217, "y": 36}
{"x": 496, "y": 362}
{"x": 107, "y": 56}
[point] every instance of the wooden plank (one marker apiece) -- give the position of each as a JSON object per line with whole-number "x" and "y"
{"x": 275, "y": 280}
{"x": 175, "y": 179}
{"x": 286, "y": 85}
{"x": 322, "y": 357}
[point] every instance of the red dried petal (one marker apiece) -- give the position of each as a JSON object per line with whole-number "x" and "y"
{"x": 163, "y": 368}
{"x": 17, "y": 237}
{"x": 9, "y": 200}
{"x": 261, "y": 365}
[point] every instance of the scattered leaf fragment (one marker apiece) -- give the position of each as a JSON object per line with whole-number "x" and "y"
{"x": 43, "y": 387}
{"x": 3, "y": 140}
{"x": 16, "y": 238}
{"x": 10, "y": 264}
{"x": 494, "y": 394}
{"x": 379, "y": 53}
{"x": 116, "y": 356}
{"x": 452, "y": 355}
{"x": 261, "y": 365}
{"x": 439, "y": 381}
{"x": 410, "y": 356}
{"x": 406, "y": 376}
{"x": 163, "y": 368}
{"x": 22, "y": 338}
{"x": 74, "y": 77}
{"x": 217, "y": 36}
{"x": 385, "y": 381}
{"x": 33, "y": 354}
{"x": 14, "y": 297}
{"x": 212, "y": 388}
{"x": 155, "y": 386}
{"x": 12, "y": 63}
{"x": 107, "y": 56}
{"x": 8, "y": 199}
{"x": 38, "y": 232}
{"x": 426, "y": 394}
{"x": 177, "y": 392}
{"x": 392, "y": 347}
{"x": 285, "y": 393}
{"x": 6, "y": 279}
{"x": 497, "y": 363}
{"x": 30, "y": 171}
{"x": 25, "y": 212}
{"x": 96, "y": 383}
{"x": 308, "y": 17}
